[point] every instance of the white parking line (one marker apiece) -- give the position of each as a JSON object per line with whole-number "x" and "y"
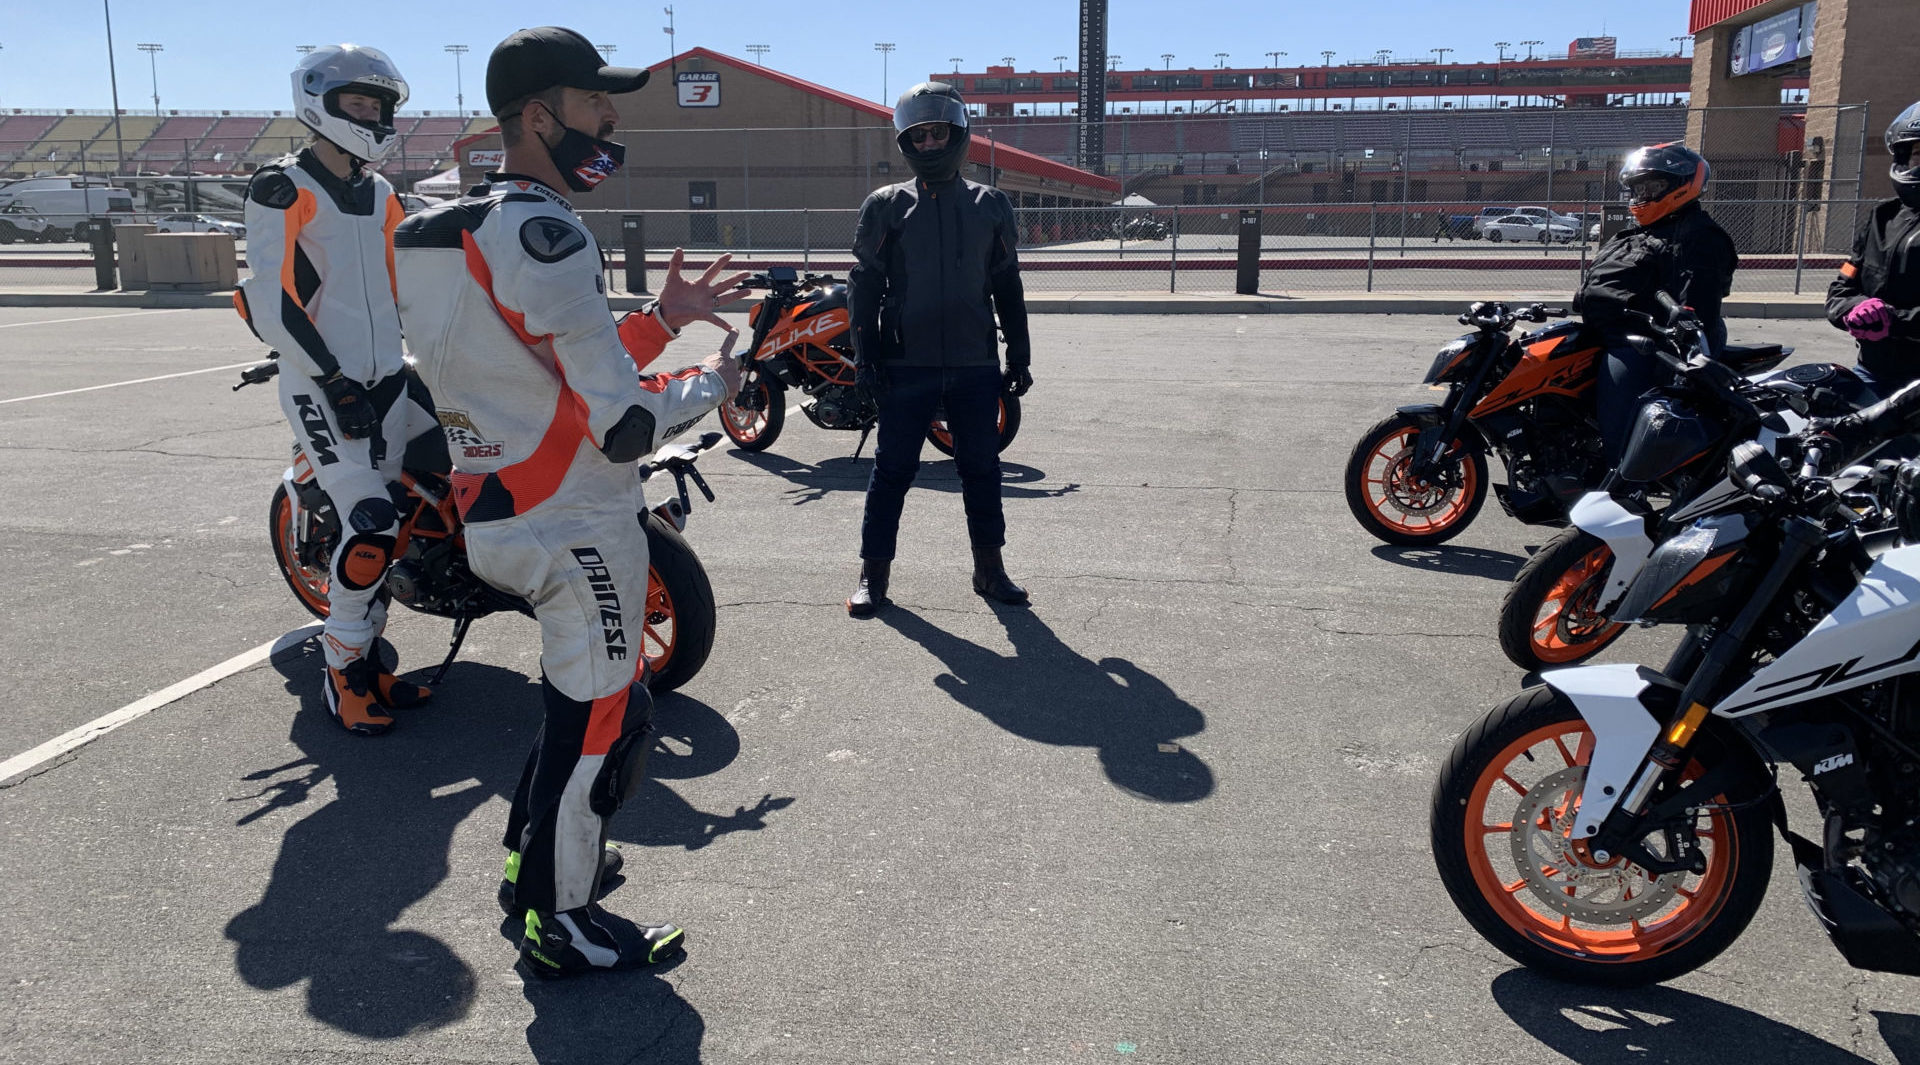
{"x": 91, "y": 318}
{"x": 100, "y": 726}
{"x": 137, "y": 381}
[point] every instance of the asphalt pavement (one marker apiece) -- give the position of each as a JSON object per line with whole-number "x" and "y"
{"x": 1175, "y": 812}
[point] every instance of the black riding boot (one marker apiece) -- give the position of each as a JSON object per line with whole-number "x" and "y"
{"x": 872, "y": 592}
{"x": 990, "y": 578}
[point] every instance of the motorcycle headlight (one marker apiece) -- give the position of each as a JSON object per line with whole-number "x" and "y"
{"x": 1450, "y": 358}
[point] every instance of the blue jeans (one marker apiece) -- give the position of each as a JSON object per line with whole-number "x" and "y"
{"x": 1626, "y": 375}
{"x": 971, "y": 395}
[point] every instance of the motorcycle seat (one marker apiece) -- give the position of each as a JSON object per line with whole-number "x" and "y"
{"x": 1753, "y": 358}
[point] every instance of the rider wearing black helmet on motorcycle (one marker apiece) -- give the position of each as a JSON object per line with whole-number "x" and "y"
{"x": 936, "y": 262}
{"x": 320, "y": 248}
{"x": 1674, "y": 247}
{"x": 1876, "y": 298}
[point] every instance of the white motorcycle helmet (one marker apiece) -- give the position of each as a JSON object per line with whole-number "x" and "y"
{"x": 326, "y": 73}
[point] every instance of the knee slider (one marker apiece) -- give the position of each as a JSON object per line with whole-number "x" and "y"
{"x": 363, "y": 560}
{"x": 626, "y": 762}
{"x": 375, "y": 514}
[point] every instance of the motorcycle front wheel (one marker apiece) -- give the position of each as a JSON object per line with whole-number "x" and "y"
{"x": 942, "y": 438}
{"x": 677, "y": 632}
{"x": 756, "y": 429}
{"x": 1503, "y": 814}
{"x": 1400, "y": 508}
{"x": 1550, "y": 615}
{"x": 308, "y": 583}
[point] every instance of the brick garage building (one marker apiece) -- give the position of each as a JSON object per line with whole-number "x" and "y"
{"x": 714, "y": 139}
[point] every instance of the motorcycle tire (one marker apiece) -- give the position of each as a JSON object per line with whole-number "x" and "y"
{"x": 677, "y": 632}
{"x": 942, "y": 439}
{"x": 308, "y": 583}
{"x": 1549, "y": 615}
{"x": 756, "y": 430}
{"x": 1410, "y": 513}
{"x": 1540, "y": 898}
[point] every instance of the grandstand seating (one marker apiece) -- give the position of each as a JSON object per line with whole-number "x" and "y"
{"x": 227, "y": 142}
{"x": 172, "y": 145}
{"x": 282, "y": 135}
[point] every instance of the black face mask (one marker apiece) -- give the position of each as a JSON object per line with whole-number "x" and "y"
{"x": 585, "y": 161}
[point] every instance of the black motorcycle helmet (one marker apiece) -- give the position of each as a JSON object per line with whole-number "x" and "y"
{"x": 1902, "y": 136}
{"x": 1662, "y": 178}
{"x": 932, "y": 101}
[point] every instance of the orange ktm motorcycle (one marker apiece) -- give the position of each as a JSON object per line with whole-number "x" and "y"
{"x": 802, "y": 339}
{"x": 1420, "y": 476}
{"x": 430, "y": 573}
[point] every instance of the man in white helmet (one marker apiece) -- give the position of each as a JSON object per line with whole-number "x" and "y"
{"x": 320, "y": 246}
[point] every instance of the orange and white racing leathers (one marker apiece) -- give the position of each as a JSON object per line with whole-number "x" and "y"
{"x": 505, "y": 308}
{"x": 321, "y": 293}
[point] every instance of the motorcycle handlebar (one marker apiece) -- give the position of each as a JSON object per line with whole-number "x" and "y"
{"x": 798, "y": 281}
{"x": 1496, "y": 315}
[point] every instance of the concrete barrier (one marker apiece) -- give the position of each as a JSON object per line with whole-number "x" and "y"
{"x": 130, "y": 246}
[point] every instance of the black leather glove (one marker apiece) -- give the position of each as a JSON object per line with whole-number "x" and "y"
{"x": 867, "y": 382}
{"x": 1016, "y": 381}
{"x": 352, "y": 407}
{"x": 1904, "y": 501}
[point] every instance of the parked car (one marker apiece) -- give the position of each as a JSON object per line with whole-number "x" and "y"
{"x": 1526, "y": 227}
{"x": 1549, "y": 216}
{"x": 413, "y": 202}
{"x": 70, "y": 203}
{"x": 1488, "y": 214}
{"x": 22, "y": 224}
{"x": 198, "y": 223}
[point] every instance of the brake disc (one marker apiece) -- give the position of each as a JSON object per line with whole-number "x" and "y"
{"x": 1559, "y": 873}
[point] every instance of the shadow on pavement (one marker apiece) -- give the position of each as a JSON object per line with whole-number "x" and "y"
{"x": 1446, "y": 558}
{"x": 1049, "y": 693}
{"x": 1642, "y": 1026}
{"x": 848, "y": 474}
{"x": 351, "y": 868}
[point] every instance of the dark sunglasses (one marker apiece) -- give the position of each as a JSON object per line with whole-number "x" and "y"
{"x": 920, "y": 135}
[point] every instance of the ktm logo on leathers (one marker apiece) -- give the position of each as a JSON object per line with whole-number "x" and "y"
{"x": 821, "y": 327}
{"x": 600, "y": 579}
{"x": 320, "y": 443}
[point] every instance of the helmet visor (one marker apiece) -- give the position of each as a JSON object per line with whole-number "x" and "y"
{"x": 929, "y": 107}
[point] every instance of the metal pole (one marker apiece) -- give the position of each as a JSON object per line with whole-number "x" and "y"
{"x": 113, "y": 78}
{"x": 746, "y": 181}
{"x": 1173, "y": 260}
{"x": 1373, "y": 227}
{"x": 1551, "y": 164}
{"x": 806, "y": 240}
{"x": 1800, "y": 245}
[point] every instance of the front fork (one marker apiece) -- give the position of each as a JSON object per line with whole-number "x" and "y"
{"x": 1611, "y": 816}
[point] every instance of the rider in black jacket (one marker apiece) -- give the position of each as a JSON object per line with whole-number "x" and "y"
{"x": 1877, "y": 295}
{"x": 1676, "y": 247}
{"x": 936, "y": 262}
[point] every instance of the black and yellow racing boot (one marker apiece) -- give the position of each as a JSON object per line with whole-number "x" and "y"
{"x": 589, "y": 939}
{"x": 510, "y": 879}
{"x": 353, "y": 701}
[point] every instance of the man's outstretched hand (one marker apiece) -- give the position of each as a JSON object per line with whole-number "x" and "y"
{"x": 682, "y": 302}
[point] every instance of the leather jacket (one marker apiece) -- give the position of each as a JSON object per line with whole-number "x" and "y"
{"x": 936, "y": 262}
{"x": 1885, "y": 264}
{"x": 1686, "y": 254}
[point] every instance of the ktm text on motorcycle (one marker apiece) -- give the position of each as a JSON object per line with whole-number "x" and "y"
{"x": 801, "y": 339}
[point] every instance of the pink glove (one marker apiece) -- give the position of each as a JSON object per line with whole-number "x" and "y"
{"x": 1871, "y": 320}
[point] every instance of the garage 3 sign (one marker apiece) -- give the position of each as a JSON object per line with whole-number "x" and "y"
{"x": 698, "y": 88}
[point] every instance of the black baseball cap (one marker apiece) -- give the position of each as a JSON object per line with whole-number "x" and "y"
{"x": 534, "y": 60}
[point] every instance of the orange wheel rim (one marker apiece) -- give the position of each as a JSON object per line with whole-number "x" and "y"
{"x": 310, "y": 583}
{"x": 1547, "y": 888}
{"x": 941, "y": 433}
{"x": 660, "y": 629}
{"x": 1568, "y": 624}
{"x": 746, "y": 425}
{"x": 1401, "y": 501}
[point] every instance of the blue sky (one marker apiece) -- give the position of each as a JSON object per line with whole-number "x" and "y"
{"x": 238, "y": 56}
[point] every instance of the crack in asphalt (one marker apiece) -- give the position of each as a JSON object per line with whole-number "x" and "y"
{"x": 1421, "y": 952}
{"x": 206, "y": 432}
{"x": 42, "y": 769}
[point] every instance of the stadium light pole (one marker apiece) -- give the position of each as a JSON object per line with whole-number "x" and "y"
{"x": 956, "y": 61}
{"x": 608, "y": 50}
{"x": 1500, "y": 47}
{"x": 885, "y": 48}
{"x": 459, "y": 87}
{"x": 304, "y": 49}
{"x": 1442, "y": 54}
{"x": 1680, "y": 44}
{"x": 153, "y": 66}
{"x": 113, "y": 80}
{"x": 1007, "y": 59}
{"x": 1530, "y": 45}
{"x": 1222, "y": 57}
{"x": 759, "y": 52}
{"x": 1062, "y": 60}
